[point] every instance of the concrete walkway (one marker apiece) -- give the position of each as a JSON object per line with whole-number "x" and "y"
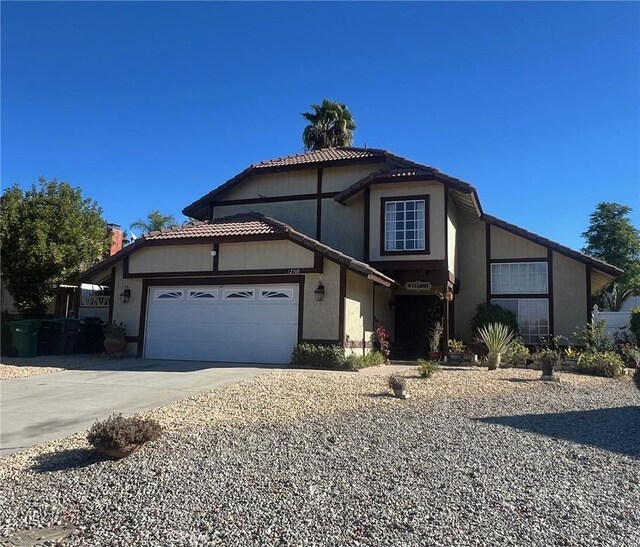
{"x": 52, "y": 406}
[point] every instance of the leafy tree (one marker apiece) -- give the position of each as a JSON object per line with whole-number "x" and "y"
{"x": 330, "y": 124}
{"x": 49, "y": 234}
{"x": 155, "y": 221}
{"x": 611, "y": 237}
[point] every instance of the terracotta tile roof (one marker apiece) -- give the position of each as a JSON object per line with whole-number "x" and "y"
{"x": 237, "y": 225}
{"x": 323, "y": 155}
{"x": 562, "y": 249}
{"x": 243, "y": 225}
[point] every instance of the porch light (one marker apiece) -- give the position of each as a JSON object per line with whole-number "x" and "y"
{"x": 319, "y": 292}
{"x": 125, "y": 295}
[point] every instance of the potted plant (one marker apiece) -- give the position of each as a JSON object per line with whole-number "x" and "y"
{"x": 435, "y": 336}
{"x": 571, "y": 357}
{"x": 498, "y": 338}
{"x": 399, "y": 387}
{"x": 456, "y": 351}
{"x": 427, "y": 369}
{"x": 118, "y": 437}
{"x": 549, "y": 359}
{"x": 115, "y": 342}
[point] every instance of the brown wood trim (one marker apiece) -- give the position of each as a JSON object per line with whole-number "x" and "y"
{"x": 408, "y": 265}
{"x": 276, "y": 199}
{"x": 446, "y": 228}
{"x": 319, "y": 206}
{"x": 209, "y": 273}
{"x": 383, "y": 202}
{"x": 445, "y": 326}
{"x": 112, "y": 291}
{"x": 147, "y": 283}
{"x": 318, "y": 263}
{"x": 320, "y": 342}
{"x": 367, "y": 222}
{"x": 519, "y": 260}
{"x": 131, "y": 339}
{"x": 211, "y": 210}
{"x": 589, "y": 304}
{"x": 211, "y": 240}
{"x": 216, "y": 259}
{"x": 125, "y": 267}
{"x": 525, "y": 295}
{"x": 487, "y": 250}
{"x": 550, "y": 290}
{"x": 341, "y": 303}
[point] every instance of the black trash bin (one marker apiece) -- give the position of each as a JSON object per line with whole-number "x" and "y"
{"x": 71, "y": 329}
{"x": 90, "y": 336}
{"x": 47, "y": 337}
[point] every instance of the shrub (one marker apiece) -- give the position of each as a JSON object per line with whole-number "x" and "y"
{"x": 380, "y": 342}
{"x": 318, "y": 356}
{"x": 498, "y": 338}
{"x": 492, "y": 313}
{"x": 119, "y": 432}
{"x": 435, "y": 335}
{"x": 427, "y": 369}
{"x": 631, "y": 355}
{"x": 634, "y": 323}
{"x": 606, "y": 363}
{"x": 456, "y": 346}
{"x": 517, "y": 353}
{"x": 593, "y": 337}
{"x": 371, "y": 359}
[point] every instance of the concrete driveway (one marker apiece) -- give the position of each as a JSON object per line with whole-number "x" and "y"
{"x": 52, "y": 406}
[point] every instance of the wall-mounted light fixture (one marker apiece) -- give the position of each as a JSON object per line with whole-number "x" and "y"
{"x": 319, "y": 292}
{"x": 125, "y": 295}
{"x": 214, "y": 252}
{"x": 448, "y": 296}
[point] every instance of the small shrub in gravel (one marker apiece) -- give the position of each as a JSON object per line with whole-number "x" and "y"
{"x": 118, "y": 432}
{"x": 517, "y": 354}
{"x": 371, "y": 359}
{"x": 318, "y": 356}
{"x": 607, "y": 363}
{"x": 427, "y": 369}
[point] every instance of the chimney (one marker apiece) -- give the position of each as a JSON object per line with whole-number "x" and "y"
{"x": 117, "y": 240}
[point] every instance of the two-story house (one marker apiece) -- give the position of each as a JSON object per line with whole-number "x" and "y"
{"x": 319, "y": 246}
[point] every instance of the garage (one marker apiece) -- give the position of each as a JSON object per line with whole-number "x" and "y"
{"x": 232, "y": 324}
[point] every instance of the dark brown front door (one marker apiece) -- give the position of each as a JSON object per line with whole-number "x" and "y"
{"x": 414, "y": 316}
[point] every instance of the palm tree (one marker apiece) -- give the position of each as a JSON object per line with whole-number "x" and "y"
{"x": 330, "y": 124}
{"x": 155, "y": 221}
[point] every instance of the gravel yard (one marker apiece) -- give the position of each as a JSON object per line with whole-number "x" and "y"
{"x": 21, "y": 367}
{"x": 310, "y": 458}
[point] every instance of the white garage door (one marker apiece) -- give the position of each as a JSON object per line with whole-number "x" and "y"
{"x": 234, "y": 324}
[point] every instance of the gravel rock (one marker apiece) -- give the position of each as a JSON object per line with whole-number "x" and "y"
{"x": 473, "y": 459}
{"x": 21, "y": 367}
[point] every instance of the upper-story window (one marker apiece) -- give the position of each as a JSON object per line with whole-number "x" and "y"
{"x": 519, "y": 278}
{"x": 405, "y": 224}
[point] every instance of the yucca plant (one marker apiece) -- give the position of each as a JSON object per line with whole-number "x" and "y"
{"x": 498, "y": 338}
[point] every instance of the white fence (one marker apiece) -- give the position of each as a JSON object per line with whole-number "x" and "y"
{"x": 94, "y": 306}
{"x": 614, "y": 320}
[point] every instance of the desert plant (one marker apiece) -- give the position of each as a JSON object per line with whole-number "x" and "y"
{"x": 118, "y": 432}
{"x": 517, "y": 353}
{"x": 356, "y": 362}
{"x": 318, "y": 356}
{"x": 606, "y": 363}
{"x": 498, "y": 338}
{"x": 427, "y": 369}
{"x": 634, "y": 323}
{"x": 398, "y": 385}
{"x": 456, "y": 346}
{"x": 493, "y": 313}
{"x": 435, "y": 336}
{"x": 593, "y": 336}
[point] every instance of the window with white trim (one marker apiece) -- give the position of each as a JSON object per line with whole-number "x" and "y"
{"x": 239, "y": 294}
{"x": 203, "y": 295}
{"x": 404, "y": 225}
{"x": 168, "y": 294}
{"x": 519, "y": 278}
{"x": 532, "y": 314}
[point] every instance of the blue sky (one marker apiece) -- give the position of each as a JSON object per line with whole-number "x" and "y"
{"x": 151, "y": 105}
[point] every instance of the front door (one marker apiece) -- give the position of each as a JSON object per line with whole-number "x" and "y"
{"x": 414, "y": 316}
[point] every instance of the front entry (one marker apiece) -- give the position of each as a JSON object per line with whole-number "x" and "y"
{"x": 414, "y": 316}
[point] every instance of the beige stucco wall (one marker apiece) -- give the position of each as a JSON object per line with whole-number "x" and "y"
{"x": 321, "y": 318}
{"x": 128, "y": 313}
{"x": 473, "y": 274}
{"x": 337, "y": 179}
{"x": 257, "y": 255}
{"x": 300, "y": 215}
{"x": 172, "y": 258}
{"x": 382, "y": 311}
{"x": 452, "y": 230}
{"x": 569, "y": 294}
{"x": 286, "y": 183}
{"x": 358, "y": 312}
{"x": 435, "y": 191}
{"x": 343, "y": 226}
{"x": 507, "y": 245}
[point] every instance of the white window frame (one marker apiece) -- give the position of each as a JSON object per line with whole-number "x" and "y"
{"x": 528, "y": 334}
{"x": 212, "y": 292}
{"x": 390, "y": 221}
{"x": 519, "y": 278}
{"x": 157, "y": 294}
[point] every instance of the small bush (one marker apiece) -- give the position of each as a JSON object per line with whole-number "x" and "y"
{"x": 119, "y": 432}
{"x": 492, "y": 313}
{"x": 608, "y": 364}
{"x": 427, "y": 369}
{"x": 318, "y": 356}
{"x": 517, "y": 353}
{"x": 371, "y": 359}
{"x": 634, "y": 324}
{"x": 593, "y": 337}
{"x": 631, "y": 355}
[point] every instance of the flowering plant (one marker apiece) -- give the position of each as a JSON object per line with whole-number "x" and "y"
{"x": 115, "y": 330}
{"x": 380, "y": 341}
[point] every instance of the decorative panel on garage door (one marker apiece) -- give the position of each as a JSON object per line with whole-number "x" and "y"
{"x": 233, "y": 324}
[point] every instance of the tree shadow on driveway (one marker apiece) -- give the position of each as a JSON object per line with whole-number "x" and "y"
{"x": 612, "y": 429}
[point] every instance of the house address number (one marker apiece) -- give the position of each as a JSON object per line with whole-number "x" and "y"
{"x": 293, "y": 271}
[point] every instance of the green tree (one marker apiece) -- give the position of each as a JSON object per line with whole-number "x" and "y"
{"x": 330, "y": 124}
{"x": 49, "y": 234}
{"x": 613, "y": 238}
{"x": 155, "y": 221}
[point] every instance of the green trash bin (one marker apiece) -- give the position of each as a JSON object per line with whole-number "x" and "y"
{"x": 24, "y": 337}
